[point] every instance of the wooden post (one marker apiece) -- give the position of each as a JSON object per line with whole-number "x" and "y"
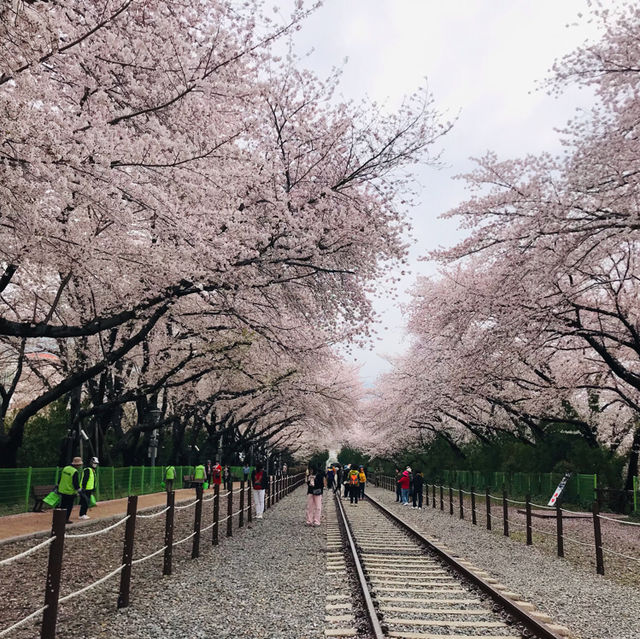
{"x": 474, "y": 520}
{"x": 216, "y": 515}
{"x": 249, "y": 505}
{"x": 597, "y": 535}
{"x": 505, "y": 513}
{"x": 168, "y": 533}
{"x": 241, "y": 520}
{"x": 433, "y": 495}
{"x": 127, "y": 551}
{"x": 488, "y": 505}
{"x": 54, "y": 575}
{"x": 461, "y": 503}
{"x": 528, "y": 511}
{"x": 441, "y": 497}
{"x": 230, "y": 512}
{"x": 197, "y": 523}
{"x": 450, "y": 500}
{"x": 559, "y": 536}
{"x": 426, "y": 494}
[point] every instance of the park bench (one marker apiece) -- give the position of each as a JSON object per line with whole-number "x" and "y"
{"x": 39, "y": 493}
{"x": 189, "y": 482}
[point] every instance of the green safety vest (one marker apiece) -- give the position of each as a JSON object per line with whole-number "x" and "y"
{"x": 170, "y": 473}
{"x": 91, "y": 482}
{"x": 199, "y": 474}
{"x": 65, "y": 485}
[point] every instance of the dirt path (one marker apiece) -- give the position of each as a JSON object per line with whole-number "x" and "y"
{"x": 26, "y": 523}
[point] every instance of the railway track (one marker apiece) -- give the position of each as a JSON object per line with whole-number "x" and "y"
{"x": 411, "y": 589}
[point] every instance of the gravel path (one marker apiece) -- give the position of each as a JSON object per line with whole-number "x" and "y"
{"x": 593, "y": 607}
{"x": 266, "y": 582}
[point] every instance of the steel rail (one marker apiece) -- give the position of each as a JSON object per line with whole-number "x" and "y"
{"x": 538, "y": 628}
{"x": 364, "y": 586}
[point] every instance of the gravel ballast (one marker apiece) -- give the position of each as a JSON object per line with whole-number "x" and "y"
{"x": 592, "y": 606}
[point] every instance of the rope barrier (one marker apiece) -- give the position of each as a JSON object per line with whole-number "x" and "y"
{"x": 93, "y": 585}
{"x": 206, "y": 528}
{"x": 26, "y": 552}
{"x": 193, "y": 503}
{"x": 153, "y": 554}
{"x": 98, "y": 532}
{"x": 617, "y": 521}
{"x": 619, "y": 554}
{"x": 6, "y": 631}
{"x": 543, "y": 507}
{"x": 579, "y": 543}
{"x": 154, "y": 514}
{"x": 543, "y": 532}
{"x": 513, "y": 501}
{"x": 209, "y": 498}
{"x": 177, "y": 543}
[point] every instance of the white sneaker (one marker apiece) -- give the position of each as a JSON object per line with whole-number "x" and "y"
{"x": 84, "y": 517}
{"x": 258, "y": 516}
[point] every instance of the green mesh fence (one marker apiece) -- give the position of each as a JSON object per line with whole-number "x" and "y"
{"x": 581, "y": 488}
{"x": 111, "y": 483}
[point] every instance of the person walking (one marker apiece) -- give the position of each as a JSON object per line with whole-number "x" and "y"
{"x": 330, "y": 477}
{"x": 346, "y": 471}
{"x": 199, "y": 476}
{"x": 246, "y": 471}
{"x": 87, "y": 486}
{"x": 339, "y": 478}
{"x": 169, "y": 477}
{"x": 208, "y": 470}
{"x": 362, "y": 480}
{"x": 353, "y": 482}
{"x": 404, "y": 483}
{"x": 216, "y": 474}
{"x": 315, "y": 488}
{"x": 69, "y": 485}
{"x": 418, "y": 482}
{"x": 226, "y": 478}
{"x": 259, "y": 483}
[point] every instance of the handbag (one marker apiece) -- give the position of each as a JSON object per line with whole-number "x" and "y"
{"x": 53, "y": 499}
{"x": 317, "y": 491}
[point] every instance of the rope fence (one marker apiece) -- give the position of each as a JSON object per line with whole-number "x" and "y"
{"x": 98, "y": 532}
{"x": 55, "y": 543}
{"x": 10, "y": 560}
{"x": 441, "y": 495}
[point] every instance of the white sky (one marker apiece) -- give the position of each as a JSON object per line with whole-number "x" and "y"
{"x": 483, "y": 59}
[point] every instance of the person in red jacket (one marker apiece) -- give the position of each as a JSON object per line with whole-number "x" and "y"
{"x": 405, "y": 482}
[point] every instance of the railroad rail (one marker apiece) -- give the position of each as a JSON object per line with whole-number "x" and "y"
{"x": 412, "y": 588}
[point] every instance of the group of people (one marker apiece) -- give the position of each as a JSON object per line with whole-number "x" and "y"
{"x": 409, "y": 484}
{"x": 354, "y": 480}
{"x": 76, "y": 480}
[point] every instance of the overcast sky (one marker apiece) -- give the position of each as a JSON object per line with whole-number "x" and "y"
{"x": 484, "y": 61}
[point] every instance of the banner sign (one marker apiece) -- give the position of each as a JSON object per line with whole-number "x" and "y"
{"x": 559, "y": 489}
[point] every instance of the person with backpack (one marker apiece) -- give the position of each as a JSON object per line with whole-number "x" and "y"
{"x": 362, "y": 479}
{"x": 87, "y": 487}
{"x": 315, "y": 488}
{"x": 259, "y": 483}
{"x": 353, "y": 481}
